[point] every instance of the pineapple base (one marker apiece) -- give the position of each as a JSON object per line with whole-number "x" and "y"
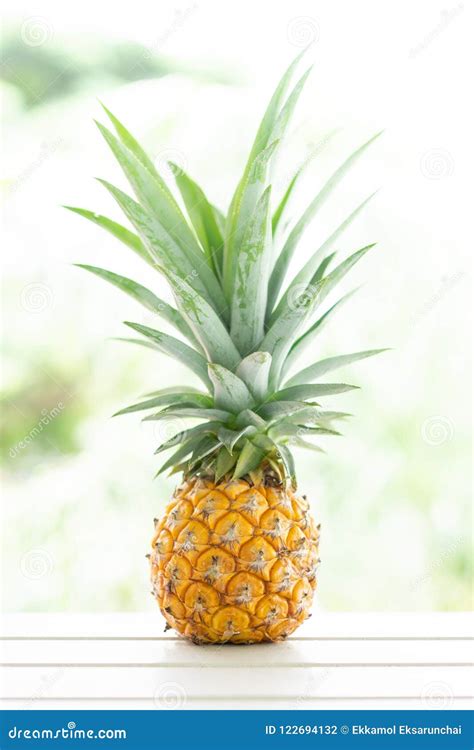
{"x": 234, "y": 562}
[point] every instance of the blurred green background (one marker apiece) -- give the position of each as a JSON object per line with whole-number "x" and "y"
{"x": 393, "y": 495}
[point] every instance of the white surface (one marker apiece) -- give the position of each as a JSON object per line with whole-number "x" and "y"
{"x": 336, "y": 661}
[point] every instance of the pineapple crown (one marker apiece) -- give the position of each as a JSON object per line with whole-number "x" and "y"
{"x": 241, "y": 331}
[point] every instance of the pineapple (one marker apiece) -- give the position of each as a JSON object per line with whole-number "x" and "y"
{"x": 235, "y": 555}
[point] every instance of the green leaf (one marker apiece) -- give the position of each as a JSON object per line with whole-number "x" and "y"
{"x": 320, "y": 271}
{"x": 230, "y": 438}
{"x": 159, "y": 202}
{"x": 251, "y": 268}
{"x": 183, "y": 451}
{"x": 203, "y": 217}
{"x": 205, "y": 323}
{"x": 288, "y": 462}
{"x": 161, "y": 246}
{"x": 282, "y": 333}
{"x": 224, "y": 463}
{"x": 278, "y": 216}
{"x": 145, "y": 297}
{"x": 130, "y": 239}
{"x": 139, "y": 342}
{"x": 311, "y": 390}
{"x": 248, "y": 194}
{"x": 230, "y": 392}
{"x": 282, "y": 330}
{"x": 176, "y": 349}
{"x": 267, "y": 125}
{"x": 206, "y": 400}
{"x": 272, "y": 412}
{"x": 208, "y": 446}
{"x": 249, "y": 459}
{"x": 318, "y": 430}
{"x": 130, "y": 142}
{"x": 254, "y": 371}
{"x": 201, "y": 429}
{"x": 301, "y": 443}
{"x": 262, "y": 441}
{"x": 188, "y": 412}
{"x": 289, "y": 430}
{"x": 313, "y": 296}
{"x": 249, "y": 417}
{"x": 328, "y": 365}
{"x": 283, "y": 261}
{"x": 220, "y": 221}
{"x": 333, "y": 278}
{"x": 278, "y": 213}
{"x": 308, "y": 270}
{"x": 314, "y": 416}
{"x": 279, "y": 130}
{"x": 169, "y": 397}
{"x": 307, "y": 338}
{"x": 151, "y": 190}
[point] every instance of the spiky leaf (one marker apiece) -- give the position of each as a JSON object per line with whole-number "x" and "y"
{"x": 230, "y": 392}
{"x": 311, "y": 390}
{"x": 203, "y": 218}
{"x": 254, "y": 371}
{"x": 176, "y": 349}
{"x": 313, "y": 372}
{"x": 249, "y": 294}
{"x": 130, "y": 239}
{"x": 168, "y": 397}
{"x": 205, "y": 323}
{"x": 147, "y": 298}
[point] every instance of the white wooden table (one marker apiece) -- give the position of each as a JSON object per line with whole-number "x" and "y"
{"x": 334, "y": 661}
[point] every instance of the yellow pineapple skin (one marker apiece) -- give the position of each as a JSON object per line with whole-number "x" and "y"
{"x": 234, "y": 562}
